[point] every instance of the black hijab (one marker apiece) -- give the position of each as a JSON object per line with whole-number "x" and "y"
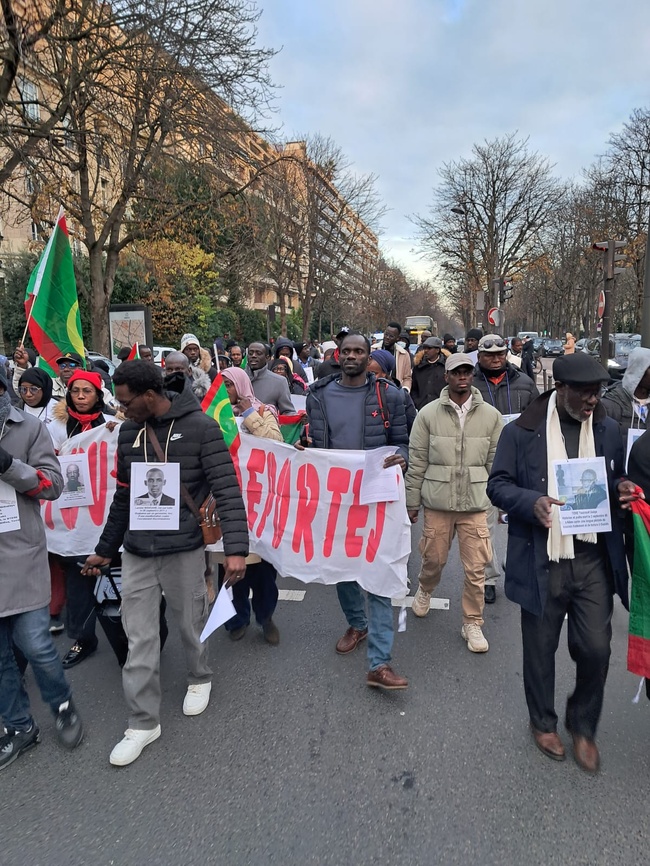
{"x": 36, "y": 376}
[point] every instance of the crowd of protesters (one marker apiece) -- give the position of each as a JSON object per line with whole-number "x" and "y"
{"x": 476, "y": 442}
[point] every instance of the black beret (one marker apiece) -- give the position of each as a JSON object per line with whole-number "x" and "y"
{"x": 579, "y": 369}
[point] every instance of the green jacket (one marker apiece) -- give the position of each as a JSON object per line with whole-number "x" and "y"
{"x": 449, "y": 466}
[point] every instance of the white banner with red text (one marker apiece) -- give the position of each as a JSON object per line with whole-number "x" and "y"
{"x": 74, "y": 531}
{"x": 305, "y": 517}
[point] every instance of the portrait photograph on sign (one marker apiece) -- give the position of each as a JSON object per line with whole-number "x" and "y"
{"x": 582, "y": 488}
{"x": 77, "y": 489}
{"x": 155, "y": 496}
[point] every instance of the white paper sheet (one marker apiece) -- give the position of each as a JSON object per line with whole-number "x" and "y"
{"x": 632, "y": 435}
{"x": 309, "y": 373}
{"x": 155, "y": 496}
{"x": 9, "y": 517}
{"x": 299, "y": 402}
{"x": 76, "y": 476}
{"x": 379, "y": 484}
{"x": 222, "y": 611}
{"x": 582, "y": 487}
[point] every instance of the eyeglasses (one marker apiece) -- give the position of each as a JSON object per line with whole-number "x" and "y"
{"x": 586, "y": 393}
{"x": 65, "y": 364}
{"x": 29, "y": 389}
{"x": 82, "y": 392}
{"x": 489, "y": 344}
{"x": 127, "y": 403}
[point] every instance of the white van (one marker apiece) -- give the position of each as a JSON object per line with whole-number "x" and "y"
{"x": 524, "y": 335}
{"x": 160, "y": 353}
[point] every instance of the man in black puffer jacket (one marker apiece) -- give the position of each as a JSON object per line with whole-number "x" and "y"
{"x": 169, "y": 560}
{"x": 355, "y": 410}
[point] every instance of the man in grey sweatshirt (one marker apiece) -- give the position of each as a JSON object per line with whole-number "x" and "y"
{"x": 268, "y": 387}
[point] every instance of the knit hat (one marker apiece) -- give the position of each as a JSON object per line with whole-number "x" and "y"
{"x": 189, "y": 340}
{"x": 328, "y": 344}
{"x": 385, "y": 360}
{"x": 94, "y": 378}
{"x": 474, "y": 334}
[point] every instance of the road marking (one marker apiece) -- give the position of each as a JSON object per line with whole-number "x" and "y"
{"x": 291, "y": 594}
{"x": 434, "y": 603}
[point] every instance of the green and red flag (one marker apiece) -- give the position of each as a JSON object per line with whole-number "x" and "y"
{"x": 638, "y": 647}
{"x": 51, "y": 302}
{"x": 291, "y": 426}
{"x": 216, "y": 404}
{"x": 134, "y": 354}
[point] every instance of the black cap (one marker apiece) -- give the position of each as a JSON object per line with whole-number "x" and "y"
{"x": 71, "y": 356}
{"x": 344, "y": 330}
{"x": 474, "y": 334}
{"x": 579, "y": 369}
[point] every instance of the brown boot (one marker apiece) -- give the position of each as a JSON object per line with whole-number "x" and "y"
{"x": 384, "y": 677}
{"x": 585, "y": 751}
{"x": 348, "y": 643}
{"x": 549, "y": 744}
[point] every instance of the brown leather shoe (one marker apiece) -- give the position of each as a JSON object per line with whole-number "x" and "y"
{"x": 549, "y": 744}
{"x": 384, "y": 677}
{"x": 350, "y": 639}
{"x": 585, "y": 751}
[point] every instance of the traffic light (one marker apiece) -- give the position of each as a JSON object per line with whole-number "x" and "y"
{"x": 610, "y": 258}
{"x": 503, "y": 288}
{"x": 506, "y": 293}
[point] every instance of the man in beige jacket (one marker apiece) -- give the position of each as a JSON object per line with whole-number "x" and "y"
{"x": 403, "y": 367}
{"x": 451, "y": 449}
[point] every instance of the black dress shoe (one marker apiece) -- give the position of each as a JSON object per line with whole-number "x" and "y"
{"x": 490, "y": 593}
{"x": 77, "y": 653}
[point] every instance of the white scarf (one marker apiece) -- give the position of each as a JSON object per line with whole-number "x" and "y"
{"x": 560, "y": 546}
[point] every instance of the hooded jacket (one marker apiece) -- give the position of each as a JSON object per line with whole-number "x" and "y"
{"x": 517, "y": 481}
{"x": 196, "y": 443}
{"x": 619, "y": 399}
{"x": 375, "y": 433}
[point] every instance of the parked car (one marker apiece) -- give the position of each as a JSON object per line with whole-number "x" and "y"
{"x": 620, "y": 346}
{"x": 553, "y": 348}
{"x": 160, "y": 353}
{"x": 96, "y": 356}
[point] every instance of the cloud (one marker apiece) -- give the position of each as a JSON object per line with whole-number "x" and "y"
{"x": 405, "y": 86}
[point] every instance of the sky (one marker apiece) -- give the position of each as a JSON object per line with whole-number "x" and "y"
{"x": 403, "y": 86}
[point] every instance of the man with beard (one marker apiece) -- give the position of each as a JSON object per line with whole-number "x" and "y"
{"x": 553, "y": 576}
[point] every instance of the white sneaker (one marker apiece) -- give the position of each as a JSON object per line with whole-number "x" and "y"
{"x": 421, "y": 601}
{"x": 197, "y": 698}
{"x": 476, "y": 642}
{"x": 130, "y": 748}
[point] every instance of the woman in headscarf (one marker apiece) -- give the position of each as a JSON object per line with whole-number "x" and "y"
{"x": 35, "y": 392}
{"x": 284, "y": 367}
{"x": 83, "y": 409}
{"x": 260, "y": 420}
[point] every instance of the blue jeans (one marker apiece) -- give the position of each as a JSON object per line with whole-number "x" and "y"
{"x": 30, "y": 632}
{"x": 379, "y": 621}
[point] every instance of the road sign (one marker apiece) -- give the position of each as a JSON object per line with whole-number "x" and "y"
{"x": 491, "y": 317}
{"x": 601, "y": 304}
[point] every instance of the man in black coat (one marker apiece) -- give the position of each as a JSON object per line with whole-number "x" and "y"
{"x": 550, "y": 575}
{"x": 167, "y": 427}
{"x": 429, "y": 375}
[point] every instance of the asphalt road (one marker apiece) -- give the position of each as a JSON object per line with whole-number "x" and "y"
{"x": 297, "y": 761}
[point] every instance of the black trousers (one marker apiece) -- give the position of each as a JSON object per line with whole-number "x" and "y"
{"x": 80, "y": 602}
{"x": 582, "y": 588}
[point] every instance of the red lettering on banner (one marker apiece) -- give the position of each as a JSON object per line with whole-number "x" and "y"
{"x": 308, "y": 489}
{"x": 374, "y": 536}
{"x": 271, "y": 468}
{"x": 357, "y": 519}
{"x": 282, "y": 503}
{"x": 47, "y": 517}
{"x": 255, "y": 467}
{"x": 98, "y": 463}
{"x": 338, "y": 482}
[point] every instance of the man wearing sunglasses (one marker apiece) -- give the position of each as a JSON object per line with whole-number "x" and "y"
{"x": 510, "y": 390}
{"x": 551, "y": 575}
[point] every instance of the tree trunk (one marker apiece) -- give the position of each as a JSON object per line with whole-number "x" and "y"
{"x": 100, "y": 303}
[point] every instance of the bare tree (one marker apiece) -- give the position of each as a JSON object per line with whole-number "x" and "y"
{"x": 115, "y": 94}
{"x": 487, "y": 214}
